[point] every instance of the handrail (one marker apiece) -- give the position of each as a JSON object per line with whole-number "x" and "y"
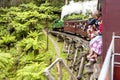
{"x": 106, "y": 63}
{"x": 47, "y": 73}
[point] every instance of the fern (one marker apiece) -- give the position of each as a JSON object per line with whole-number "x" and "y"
{"x": 23, "y": 25}
{"x": 30, "y": 44}
{"x": 7, "y": 40}
{"x": 28, "y": 7}
{"x": 31, "y": 72}
{"x": 76, "y": 16}
{"x": 6, "y": 62}
{"x": 34, "y": 34}
{"x": 3, "y": 10}
{"x": 15, "y": 9}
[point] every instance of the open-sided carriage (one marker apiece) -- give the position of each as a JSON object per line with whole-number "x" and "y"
{"x": 76, "y": 27}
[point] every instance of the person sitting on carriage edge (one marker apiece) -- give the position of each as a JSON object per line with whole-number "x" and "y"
{"x": 95, "y": 34}
{"x": 93, "y": 28}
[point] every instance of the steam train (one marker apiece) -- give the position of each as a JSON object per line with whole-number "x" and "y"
{"x": 76, "y": 27}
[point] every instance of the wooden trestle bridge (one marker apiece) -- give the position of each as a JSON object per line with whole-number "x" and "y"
{"x": 76, "y": 48}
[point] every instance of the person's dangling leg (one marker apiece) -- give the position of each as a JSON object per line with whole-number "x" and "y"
{"x": 90, "y": 54}
{"x": 94, "y": 55}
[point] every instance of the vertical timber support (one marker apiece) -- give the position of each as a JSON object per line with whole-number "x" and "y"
{"x": 70, "y": 51}
{"x": 66, "y": 44}
{"x": 59, "y": 38}
{"x": 60, "y": 71}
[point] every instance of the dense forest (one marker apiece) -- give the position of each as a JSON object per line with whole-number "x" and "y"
{"x": 23, "y": 54}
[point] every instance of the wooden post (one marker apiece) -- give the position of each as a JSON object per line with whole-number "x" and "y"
{"x": 60, "y": 71}
{"x": 81, "y": 66}
{"x": 49, "y": 76}
{"x": 65, "y": 47}
{"x": 47, "y": 34}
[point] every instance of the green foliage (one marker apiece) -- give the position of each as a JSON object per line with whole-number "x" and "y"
{"x": 34, "y": 66}
{"x": 4, "y": 19}
{"x": 57, "y": 3}
{"x": 76, "y": 16}
{"x": 3, "y": 10}
{"x": 28, "y": 7}
{"x": 6, "y": 62}
{"x": 15, "y": 9}
{"x": 48, "y": 10}
{"x": 31, "y": 44}
{"x": 31, "y": 72}
{"x": 34, "y": 34}
{"x": 18, "y": 27}
{"x": 3, "y": 30}
{"x": 7, "y": 40}
{"x": 22, "y": 37}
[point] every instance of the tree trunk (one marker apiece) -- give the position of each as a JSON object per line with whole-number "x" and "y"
{"x": 66, "y": 2}
{"x": 15, "y": 2}
{"x": 99, "y": 5}
{"x": 4, "y": 3}
{"x": 8, "y": 3}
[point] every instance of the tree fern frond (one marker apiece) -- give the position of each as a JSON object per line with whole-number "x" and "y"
{"x": 5, "y": 60}
{"x": 31, "y": 72}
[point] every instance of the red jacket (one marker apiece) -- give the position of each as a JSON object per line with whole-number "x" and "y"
{"x": 100, "y": 28}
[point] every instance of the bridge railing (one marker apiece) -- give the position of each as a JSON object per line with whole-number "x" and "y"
{"x": 108, "y": 65}
{"x": 61, "y": 63}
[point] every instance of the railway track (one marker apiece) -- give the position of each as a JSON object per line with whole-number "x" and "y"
{"x": 71, "y": 37}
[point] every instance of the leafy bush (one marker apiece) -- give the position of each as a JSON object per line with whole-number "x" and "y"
{"x": 31, "y": 72}
{"x": 6, "y": 62}
{"x": 7, "y": 41}
{"x": 31, "y": 44}
{"x": 76, "y": 16}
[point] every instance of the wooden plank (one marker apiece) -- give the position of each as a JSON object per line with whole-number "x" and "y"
{"x": 117, "y": 72}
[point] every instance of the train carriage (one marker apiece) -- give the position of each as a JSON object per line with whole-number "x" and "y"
{"x": 81, "y": 29}
{"x": 76, "y": 27}
{"x": 70, "y": 26}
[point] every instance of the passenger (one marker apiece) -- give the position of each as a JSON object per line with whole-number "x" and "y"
{"x": 96, "y": 41}
{"x": 95, "y": 19}
{"x": 95, "y": 48}
{"x": 91, "y": 31}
